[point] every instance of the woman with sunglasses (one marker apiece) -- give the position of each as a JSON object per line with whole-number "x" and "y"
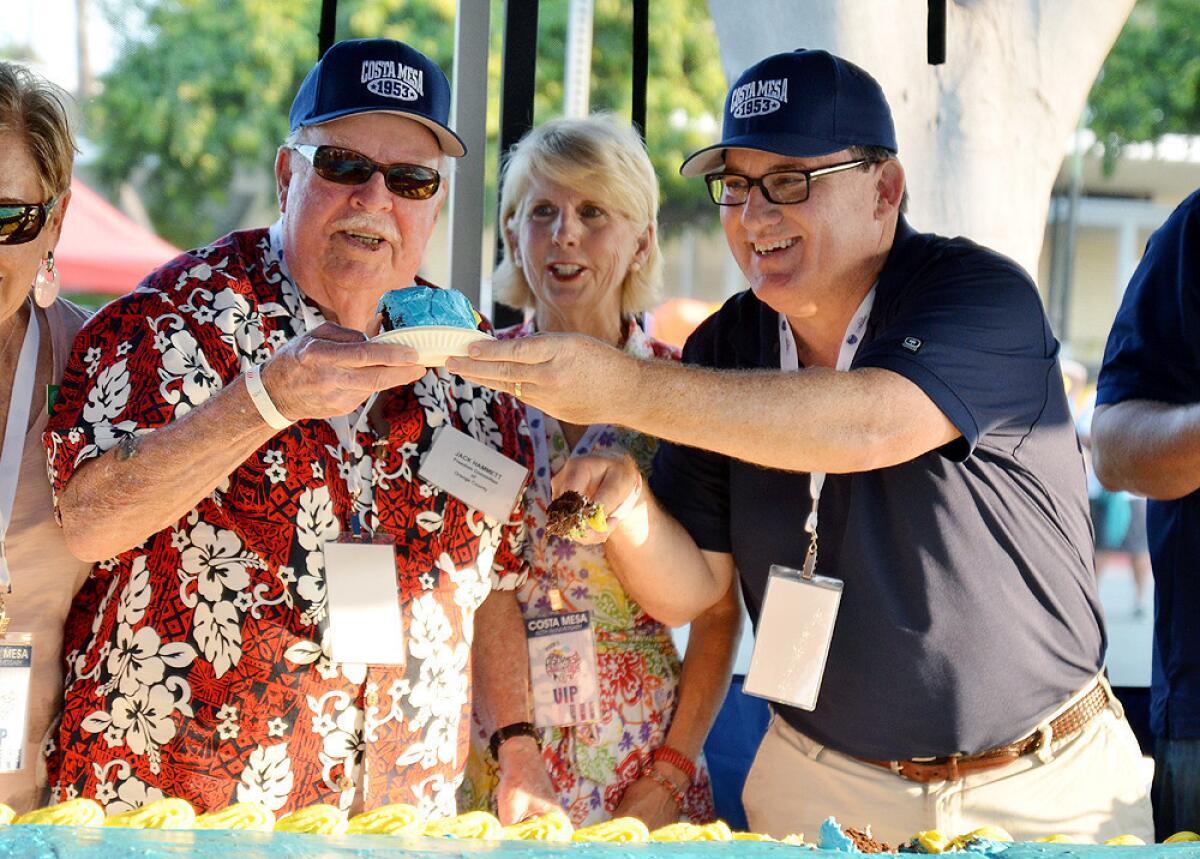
{"x": 38, "y": 576}
{"x": 579, "y": 208}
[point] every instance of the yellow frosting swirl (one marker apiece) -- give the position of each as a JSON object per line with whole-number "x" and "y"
{"x": 991, "y": 833}
{"x": 6, "y": 815}
{"x": 247, "y": 816}
{"x": 161, "y": 814}
{"x": 470, "y": 824}
{"x": 554, "y": 826}
{"x": 73, "y": 812}
{"x": 395, "y": 819}
{"x": 1055, "y": 839}
{"x": 932, "y": 841}
{"x": 320, "y": 819}
{"x": 684, "y": 831}
{"x": 621, "y": 829}
{"x": 1125, "y": 841}
{"x": 1185, "y": 835}
{"x": 751, "y": 836}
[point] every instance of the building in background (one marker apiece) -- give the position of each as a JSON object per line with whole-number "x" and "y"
{"x": 1116, "y": 214}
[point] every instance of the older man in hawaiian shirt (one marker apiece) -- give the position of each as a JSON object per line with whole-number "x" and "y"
{"x": 191, "y": 457}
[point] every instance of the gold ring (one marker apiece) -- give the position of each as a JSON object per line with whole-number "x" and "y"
{"x": 517, "y": 390}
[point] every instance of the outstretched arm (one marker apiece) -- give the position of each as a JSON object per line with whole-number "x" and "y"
{"x": 148, "y": 482}
{"x": 501, "y": 697}
{"x": 1148, "y": 447}
{"x": 657, "y": 561}
{"x": 813, "y": 420}
{"x": 703, "y": 682}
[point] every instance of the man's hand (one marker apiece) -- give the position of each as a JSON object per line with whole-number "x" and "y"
{"x": 572, "y": 377}
{"x": 612, "y": 481}
{"x": 649, "y": 801}
{"x": 524, "y": 790}
{"x": 332, "y": 370}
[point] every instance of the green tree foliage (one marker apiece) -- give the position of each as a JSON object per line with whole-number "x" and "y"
{"x": 684, "y": 93}
{"x": 1150, "y": 83}
{"x": 201, "y": 91}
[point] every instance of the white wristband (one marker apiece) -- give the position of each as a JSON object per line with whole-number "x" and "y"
{"x": 262, "y": 400}
{"x": 627, "y": 505}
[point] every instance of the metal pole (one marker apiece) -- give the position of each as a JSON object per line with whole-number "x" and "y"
{"x": 517, "y": 77}
{"x": 1075, "y": 189}
{"x": 577, "y": 68}
{"x": 936, "y": 39}
{"x": 641, "y": 63}
{"x": 328, "y": 31}
{"x": 468, "y": 112}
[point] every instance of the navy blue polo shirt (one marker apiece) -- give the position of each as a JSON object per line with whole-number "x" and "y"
{"x": 970, "y": 608}
{"x": 1153, "y": 353}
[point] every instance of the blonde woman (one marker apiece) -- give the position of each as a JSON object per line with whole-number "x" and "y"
{"x": 579, "y": 207}
{"x": 36, "y": 330}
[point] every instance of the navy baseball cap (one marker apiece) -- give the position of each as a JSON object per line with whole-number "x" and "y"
{"x": 377, "y": 75}
{"x": 803, "y": 103}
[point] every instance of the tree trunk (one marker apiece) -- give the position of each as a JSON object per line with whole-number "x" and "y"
{"x": 982, "y": 136}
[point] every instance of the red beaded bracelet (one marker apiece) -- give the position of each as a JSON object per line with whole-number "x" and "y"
{"x": 677, "y": 759}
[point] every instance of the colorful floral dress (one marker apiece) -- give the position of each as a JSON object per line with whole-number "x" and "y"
{"x": 591, "y": 765}
{"x": 197, "y": 663}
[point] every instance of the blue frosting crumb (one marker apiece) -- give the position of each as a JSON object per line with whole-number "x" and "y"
{"x": 426, "y": 305}
{"x": 985, "y": 845}
{"x": 832, "y": 838}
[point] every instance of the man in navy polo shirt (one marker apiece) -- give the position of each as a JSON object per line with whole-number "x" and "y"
{"x": 961, "y": 684}
{"x": 1146, "y": 439}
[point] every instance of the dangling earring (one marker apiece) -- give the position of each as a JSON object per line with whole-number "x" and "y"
{"x": 45, "y": 285}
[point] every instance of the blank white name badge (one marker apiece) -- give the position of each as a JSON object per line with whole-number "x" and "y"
{"x": 474, "y": 473}
{"x": 562, "y": 669}
{"x": 792, "y": 641}
{"x": 363, "y": 598}
{"x": 16, "y": 669}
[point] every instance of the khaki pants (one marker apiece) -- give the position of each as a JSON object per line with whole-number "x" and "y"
{"x": 1090, "y": 787}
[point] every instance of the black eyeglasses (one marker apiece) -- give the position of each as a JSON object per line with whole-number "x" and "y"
{"x": 781, "y": 187}
{"x": 347, "y": 167}
{"x": 23, "y": 222}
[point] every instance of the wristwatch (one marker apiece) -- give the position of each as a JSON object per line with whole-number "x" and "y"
{"x": 516, "y": 729}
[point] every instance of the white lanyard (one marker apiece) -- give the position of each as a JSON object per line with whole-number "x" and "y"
{"x": 14, "y": 435}
{"x": 789, "y": 361}
{"x": 347, "y": 435}
{"x": 539, "y": 433}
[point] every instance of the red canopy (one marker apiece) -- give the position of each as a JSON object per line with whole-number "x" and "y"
{"x": 100, "y": 250}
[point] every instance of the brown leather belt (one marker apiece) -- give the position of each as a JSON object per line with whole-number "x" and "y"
{"x": 953, "y": 767}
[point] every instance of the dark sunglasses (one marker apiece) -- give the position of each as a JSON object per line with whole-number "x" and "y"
{"x": 23, "y": 222}
{"x": 347, "y": 167}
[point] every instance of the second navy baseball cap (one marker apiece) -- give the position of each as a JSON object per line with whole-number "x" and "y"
{"x": 802, "y": 103}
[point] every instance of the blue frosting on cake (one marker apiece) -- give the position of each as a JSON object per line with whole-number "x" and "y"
{"x": 75, "y": 842}
{"x": 426, "y": 305}
{"x": 832, "y": 838}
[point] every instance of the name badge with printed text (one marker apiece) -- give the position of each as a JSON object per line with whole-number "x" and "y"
{"x": 474, "y": 473}
{"x": 791, "y": 644}
{"x": 16, "y": 670}
{"x": 562, "y": 669}
{"x": 363, "y": 598}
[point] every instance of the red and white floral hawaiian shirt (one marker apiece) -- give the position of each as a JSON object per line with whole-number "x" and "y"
{"x": 196, "y": 662}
